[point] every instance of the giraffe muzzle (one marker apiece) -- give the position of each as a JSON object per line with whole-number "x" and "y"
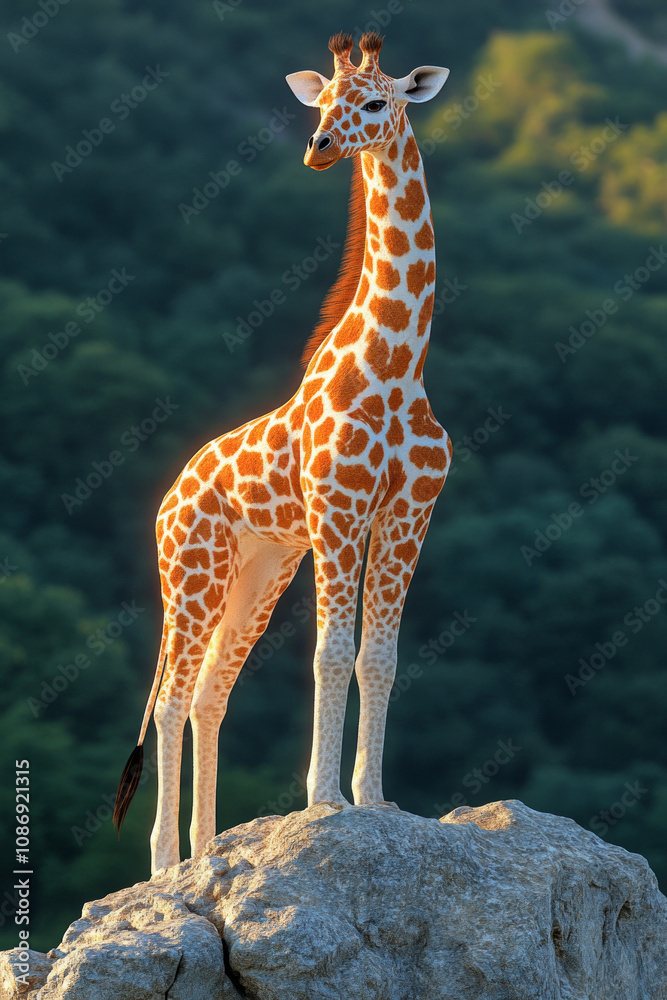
{"x": 322, "y": 150}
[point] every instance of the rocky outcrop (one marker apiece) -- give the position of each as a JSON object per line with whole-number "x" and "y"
{"x": 371, "y": 903}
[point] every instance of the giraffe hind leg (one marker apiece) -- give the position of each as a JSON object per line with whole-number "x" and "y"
{"x": 196, "y": 581}
{"x": 250, "y": 602}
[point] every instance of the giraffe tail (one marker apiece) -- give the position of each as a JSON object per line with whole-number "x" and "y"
{"x": 129, "y": 780}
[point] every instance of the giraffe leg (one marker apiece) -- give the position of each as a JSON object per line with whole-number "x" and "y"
{"x": 337, "y": 592}
{"x": 389, "y": 569}
{"x": 195, "y": 582}
{"x": 250, "y": 602}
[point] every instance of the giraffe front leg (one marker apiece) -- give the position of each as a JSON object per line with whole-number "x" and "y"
{"x": 391, "y": 561}
{"x": 337, "y": 583}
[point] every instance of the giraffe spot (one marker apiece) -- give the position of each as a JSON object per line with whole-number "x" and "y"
{"x": 361, "y": 507}
{"x": 422, "y": 421}
{"x": 179, "y": 535}
{"x": 369, "y": 166}
{"x": 410, "y": 206}
{"x": 395, "y": 433}
{"x": 407, "y": 552}
{"x": 371, "y": 411}
{"x": 318, "y": 504}
{"x": 214, "y": 596}
{"x": 306, "y": 440}
{"x": 373, "y": 228}
{"x": 375, "y": 245}
{"x": 396, "y": 241}
{"x": 177, "y": 575}
{"x": 279, "y": 484}
{"x": 225, "y": 478}
{"x": 372, "y": 130}
{"x": 330, "y": 537}
{"x": 387, "y": 276}
{"x": 410, "y": 159}
{"x": 338, "y": 499}
{"x": 208, "y": 504}
{"x": 388, "y": 175}
{"x": 420, "y": 364}
{"x": 355, "y": 477}
{"x": 395, "y": 398}
{"x": 259, "y": 516}
{"x": 419, "y": 275}
{"x": 351, "y": 440}
{"x": 392, "y": 152}
{"x": 187, "y": 515}
{"x": 384, "y": 365}
{"x": 396, "y": 480}
{"x": 424, "y": 455}
{"x": 369, "y": 262}
{"x": 347, "y": 383}
{"x": 347, "y": 559}
{"x": 391, "y": 313}
{"x": 189, "y": 487}
{"x": 324, "y": 431}
{"x": 425, "y": 314}
{"x": 424, "y": 238}
{"x": 195, "y": 583}
{"x": 401, "y": 508}
{"x": 345, "y": 125}
{"x": 351, "y": 329}
{"x": 343, "y": 522}
{"x": 277, "y": 437}
{"x": 168, "y": 547}
{"x": 250, "y": 463}
{"x": 195, "y": 610}
{"x": 320, "y": 467}
{"x": 207, "y": 466}
{"x": 229, "y": 445}
{"x": 326, "y": 362}
{"x": 196, "y": 558}
{"x": 425, "y": 488}
{"x": 450, "y": 449}
{"x": 311, "y": 388}
{"x": 378, "y": 204}
{"x": 376, "y": 454}
{"x": 254, "y": 492}
{"x": 356, "y": 118}
{"x": 336, "y": 112}
{"x": 283, "y": 461}
{"x": 353, "y": 137}
{"x": 169, "y": 501}
{"x": 256, "y": 432}
{"x": 315, "y": 409}
{"x": 330, "y": 571}
{"x": 364, "y": 285}
{"x": 296, "y": 416}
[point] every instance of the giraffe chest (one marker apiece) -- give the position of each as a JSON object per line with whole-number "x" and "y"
{"x": 383, "y": 441}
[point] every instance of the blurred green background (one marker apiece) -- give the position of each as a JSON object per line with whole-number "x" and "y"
{"x": 532, "y": 638}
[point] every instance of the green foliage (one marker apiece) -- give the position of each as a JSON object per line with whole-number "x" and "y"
{"x": 550, "y": 690}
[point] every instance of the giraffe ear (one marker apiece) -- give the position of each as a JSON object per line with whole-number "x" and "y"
{"x": 307, "y": 86}
{"x": 420, "y": 85}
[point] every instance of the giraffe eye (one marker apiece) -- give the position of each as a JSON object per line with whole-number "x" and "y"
{"x": 374, "y": 106}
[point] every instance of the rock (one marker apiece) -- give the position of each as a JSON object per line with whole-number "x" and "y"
{"x": 371, "y": 903}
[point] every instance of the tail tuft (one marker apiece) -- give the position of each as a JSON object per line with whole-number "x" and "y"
{"x": 128, "y": 785}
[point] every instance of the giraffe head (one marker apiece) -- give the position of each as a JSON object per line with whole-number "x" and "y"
{"x": 360, "y": 107}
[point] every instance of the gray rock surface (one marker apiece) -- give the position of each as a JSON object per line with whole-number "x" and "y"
{"x": 370, "y": 903}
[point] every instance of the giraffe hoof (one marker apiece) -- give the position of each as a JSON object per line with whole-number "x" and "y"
{"x": 340, "y": 802}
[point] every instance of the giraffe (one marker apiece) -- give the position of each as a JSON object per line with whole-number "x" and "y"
{"x": 356, "y": 456}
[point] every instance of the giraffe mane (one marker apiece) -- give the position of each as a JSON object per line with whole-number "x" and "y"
{"x": 341, "y": 294}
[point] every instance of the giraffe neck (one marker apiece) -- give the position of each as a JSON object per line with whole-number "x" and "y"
{"x": 396, "y": 285}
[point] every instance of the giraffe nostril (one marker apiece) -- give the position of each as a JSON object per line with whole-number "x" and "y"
{"x": 310, "y": 142}
{"x": 324, "y": 142}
